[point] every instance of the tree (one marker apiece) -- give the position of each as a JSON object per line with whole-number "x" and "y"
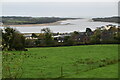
{"x": 88, "y": 32}
{"x": 76, "y": 33}
{"x": 75, "y": 36}
{"x": 117, "y": 35}
{"x": 12, "y": 39}
{"x": 0, "y": 38}
{"x": 34, "y": 35}
{"x": 96, "y": 37}
{"x": 46, "y": 30}
{"x": 68, "y": 40}
{"x": 48, "y": 40}
{"x": 18, "y": 42}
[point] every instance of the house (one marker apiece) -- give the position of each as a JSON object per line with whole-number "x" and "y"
{"x": 29, "y": 36}
{"x": 60, "y": 38}
{"x": 109, "y": 26}
{"x": 84, "y": 36}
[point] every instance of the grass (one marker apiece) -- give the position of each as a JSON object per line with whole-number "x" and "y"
{"x": 76, "y": 61}
{"x": 109, "y": 71}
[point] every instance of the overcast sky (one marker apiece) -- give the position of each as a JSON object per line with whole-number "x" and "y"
{"x": 60, "y": 9}
{"x": 59, "y": 0}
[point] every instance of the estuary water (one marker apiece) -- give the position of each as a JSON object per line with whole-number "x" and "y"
{"x": 65, "y": 26}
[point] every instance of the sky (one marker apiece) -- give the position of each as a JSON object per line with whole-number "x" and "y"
{"x": 60, "y": 9}
{"x": 59, "y": 0}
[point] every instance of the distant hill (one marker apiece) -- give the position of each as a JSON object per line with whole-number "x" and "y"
{"x": 13, "y": 20}
{"x": 108, "y": 19}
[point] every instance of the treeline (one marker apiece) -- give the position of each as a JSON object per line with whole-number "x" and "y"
{"x": 98, "y": 36}
{"x": 108, "y": 19}
{"x": 13, "y": 20}
{"x": 14, "y": 40}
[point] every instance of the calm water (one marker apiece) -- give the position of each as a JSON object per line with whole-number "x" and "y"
{"x": 66, "y": 26}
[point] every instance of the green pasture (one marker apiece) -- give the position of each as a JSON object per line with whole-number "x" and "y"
{"x": 84, "y": 61}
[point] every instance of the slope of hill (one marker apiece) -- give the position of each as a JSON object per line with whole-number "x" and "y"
{"x": 88, "y": 61}
{"x": 108, "y": 19}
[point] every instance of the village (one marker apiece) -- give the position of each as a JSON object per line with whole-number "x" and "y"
{"x": 105, "y": 34}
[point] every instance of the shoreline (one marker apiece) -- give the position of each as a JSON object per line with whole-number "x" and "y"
{"x": 44, "y": 24}
{"x": 31, "y": 25}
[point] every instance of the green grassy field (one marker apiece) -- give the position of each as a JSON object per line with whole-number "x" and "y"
{"x": 86, "y": 61}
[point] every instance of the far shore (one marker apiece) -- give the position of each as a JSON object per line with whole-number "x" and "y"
{"x": 45, "y": 24}
{"x": 31, "y": 25}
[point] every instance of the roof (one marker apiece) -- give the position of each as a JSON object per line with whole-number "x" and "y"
{"x": 61, "y": 35}
{"x": 27, "y": 35}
